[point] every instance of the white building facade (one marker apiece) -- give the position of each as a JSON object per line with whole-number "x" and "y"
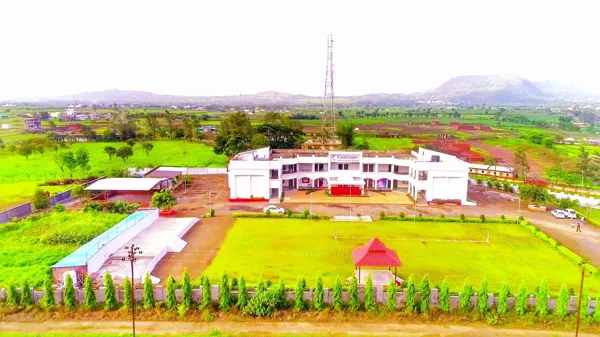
{"x": 424, "y": 175}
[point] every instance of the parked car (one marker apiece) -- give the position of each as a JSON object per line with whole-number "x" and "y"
{"x": 564, "y": 213}
{"x": 274, "y": 209}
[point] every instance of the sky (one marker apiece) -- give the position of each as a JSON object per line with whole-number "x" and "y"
{"x": 54, "y": 48}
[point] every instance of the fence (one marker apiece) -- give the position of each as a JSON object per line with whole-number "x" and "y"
{"x": 206, "y": 170}
{"x": 380, "y": 296}
{"x": 26, "y": 209}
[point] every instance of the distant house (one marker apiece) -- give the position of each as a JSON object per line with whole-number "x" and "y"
{"x": 32, "y": 123}
{"x": 482, "y": 128}
{"x": 453, "y": 124}
{"x": 3, "y": 116}
{"x": 435, "y": 123}
{"x": 581, "y": 125}
{"x": 6, "y": 126}
{"x": 69, "y": 129}
{"x": 594, "y": 141}
{"x": 207, "y": 128}
{"x": 491, "y": 170}
{"x": 465, "y": 127}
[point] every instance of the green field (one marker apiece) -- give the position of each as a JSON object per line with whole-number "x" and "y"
{"x": 29, "y": 247}
{"x": 19, "y": 176}
{"x": 376, "y": 143}
{"x": 290, "y": 248}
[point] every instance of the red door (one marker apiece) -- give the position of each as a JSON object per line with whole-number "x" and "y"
{"x": 345, "y": 191}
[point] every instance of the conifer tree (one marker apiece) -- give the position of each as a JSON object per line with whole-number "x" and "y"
{"x": 280, "y": 294}
{"x": 186, "y": 290}
{"x": 337, "y": 295}
{"x": 503, "y": 299}
{"x": 127, "y": 293}
{"x": 148, "y": 293}
{"x": 26, "y": 296}
{"x": 89, "y": 296}
{"x": 206, "y": 295}
{"x": 261, "y": 287}
{"x": 425, "y": 295}
{"x": 562, "y": 302}
{"x": 445, "y": 296}
{"x": 224, "y": 294}
{"x": 369, "y": 294}
{"x": 242, "y": 300}
{"x": 482, "y": 298}
{"x": 465, "y": 297}
{"x": 299, "y": 295}
{"x": 391, "y": 296}
{"x": 69, "y": 293}
{"x": 171, "y": 298}
{"x": 411, "y": 292}
{"x": 541, "y": 303}
{"x": 110, "y": 293}
{"x": 597, "y": 310}
{"x": 318, "y": 299}
{"x": 353, "y": 302}
{"x": 585, "y": 303}
{"x": 12, "y": 296}
{"x": 521, "y": 300}
{"x": 48, "y": 302}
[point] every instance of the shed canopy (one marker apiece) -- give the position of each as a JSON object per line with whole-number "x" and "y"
{"x": 375, "y": 254}
{"x": 345, "y": 180}
{"x": 162, "y": 174}
{"x": 125, "y": 184}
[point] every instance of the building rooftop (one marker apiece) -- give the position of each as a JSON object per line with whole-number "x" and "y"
{"x": 124, "y": 184}
{"x": 293, "y": 153}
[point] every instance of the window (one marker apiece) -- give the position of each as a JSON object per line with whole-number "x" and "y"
{"x": 342, "y": 166}
{"x": 368, "y": 167}
{"x": 305, "y": 180}
{"x": 319, "y": 167}
{"x": 274, "y": 174}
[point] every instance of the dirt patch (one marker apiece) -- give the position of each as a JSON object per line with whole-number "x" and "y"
{"x": 503, "y": 155}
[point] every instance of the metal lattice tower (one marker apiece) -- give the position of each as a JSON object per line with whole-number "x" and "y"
{"x": 328, "y": 115}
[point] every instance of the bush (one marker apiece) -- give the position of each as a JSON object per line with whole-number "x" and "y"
{"x": 299, "y": 295}
{"x": 261, "y": 287}
{"x": 369, "y": 294}
{"x": 521, "y": 218}
{"x": 186, "y": 290}
{"x": 12, "y": 296}
{"x": 41, "y": 199}
{"x": 391, "y": 296}
{"x": 503, "y": 299}
{"x": 442, "y": 216}
{"x": 502, "y": 217}
{"x": 69, "y": 293}
{"x": 318, "y": 299}
{"x": 110, "y": 293}
{"x": 482, "y": 218}
{"x": 59, "y": 208}
{"x": 462, "y": 217}
{"x": 465, "y": 297}
{"x": 306, "y": 213}
{"x": 127, "y": 294}
{"x": 353, "y": 302}
{"x": 411, "y": 291}
{"x": 89, "y": 296}
{"x": 120, "y": 207}
{"x": 562, "y": 303}
{"x": 262, "y": 304}
{"x": 256, "y": 215}
{"x": 163, "y": 200}
{"x": 242, "y": 300}
{"x": 445, "y": 296}
{"x": 521, "y": 301}
{"x": 280, "y": 295}
{"x": 585, "y": 303}
{"x": 268, "y": 213}
{"x": 224, "y": 294}
{"x": 288, "y": 212}
{"x": 381, "y": 215}
{"x": 401, "y": 215}
{"x": 541, "y": 303}
{"x": 171, "y": 299}
{"x": 206, "y": 296}
{"x": 148, "y": 295}
{"x": 48, "y": 302}
{"x": 211, "y": 212}
{"x": 482, "y": 298}
{"x": 26, "y": 296}
{"x": 337, "y": 294}
{"x": 425, "y": 295}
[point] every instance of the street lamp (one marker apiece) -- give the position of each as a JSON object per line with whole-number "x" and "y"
{"x": 519, "y": 209}
{"x": 132, "y": 252}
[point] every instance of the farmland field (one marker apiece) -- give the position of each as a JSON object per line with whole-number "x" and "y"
{"x": 18, "y": 175}
{"x": 376, "y": 143}
{"x": 290, "y": 248}
{"x": 29, "y": 247}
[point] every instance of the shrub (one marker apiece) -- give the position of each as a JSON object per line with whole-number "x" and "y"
{"x": 462, "y": 217}
{"x": 337, "y": 294}
{"x": 585, "y": 303}
{"x": 299, "y": 295}
{"x": 391, "y": 296}
{"x": 186, "y": 290}
{"x": 26, "y": 296}
{"x": 206, "y": 296}
{"x": 268, "y": 213}
{"x": 401, "y": 215}
{"x": 261, "y": 287}
{"x": 127, "y": 294}
{"x": 597, "y": 310}
{"x": 242, "y": 300}
{"x": 89, "y": 296}
{"x": 482, "y": 298}
{"x": 521, "y": 301}
{"x": 521, "y": 218}
{"x": 465, "y": 297}
{"x": 171, "y": 300}
{"x": 353, "y": 302}
{"x": 48, "y": 302}
{"x": 381, "y": 215}
{"x": 280, "y": 295}
{"x": 288, "y": 212}
{"x": 278, "y": 215}
{"x": 425, "y": 294}
{"x": 211, "y": 212}
{"x": 182, "y": 310}
{"x": 110, "y": 293}
{"x": 503, "y": 299}
{"x": 562, "y": 302}
{"x": 262, "y": 304}
{"x": 318, "y": 299}
{"x": 59, "y": 208}
{"x": 306, "y": 213}
{"x": 541, "y": 303}
{"x": 479, "y": 181}
{"x": 369, "y": 294}
{"x": 442, "y": 216}
{"x": 482, "y": 218}
{"x": 40, "y": 200}
{"x": 69, "y": 293}
{"x": 163, "y": 200}
{"x": 12, "y": 296}
{"x": 411, "y": 291}
{"x": 502, "y": 217}
{"x": 111, "y": 207}
{"x": 148, "y": 293}
{"x": 445, "y": 296}
{"x": 224, "y": 294}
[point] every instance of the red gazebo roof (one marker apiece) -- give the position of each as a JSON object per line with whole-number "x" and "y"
{"x": 375, "y": 254}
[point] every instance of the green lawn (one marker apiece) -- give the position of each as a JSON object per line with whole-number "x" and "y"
{"x": 376, "y": 143}
{"x": 290, "y": 248}
{"x": 28, "y": 248}
{"x": 19, "y": 176}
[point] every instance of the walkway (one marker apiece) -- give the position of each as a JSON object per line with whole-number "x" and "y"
{"x": 319, "y": 197}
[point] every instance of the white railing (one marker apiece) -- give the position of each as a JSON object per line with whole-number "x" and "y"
{"x": 205, "y": 170}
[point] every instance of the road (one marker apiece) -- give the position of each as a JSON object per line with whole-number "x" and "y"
{"x": 330, "y": 328}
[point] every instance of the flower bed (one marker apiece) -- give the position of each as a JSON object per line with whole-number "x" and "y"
{"x": 249, "y": 200}
{"x": 279, "y": 215}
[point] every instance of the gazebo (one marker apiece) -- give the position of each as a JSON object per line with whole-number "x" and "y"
{"x": 375, "y": 254}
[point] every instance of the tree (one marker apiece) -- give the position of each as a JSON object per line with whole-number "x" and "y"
{"x": 281, "y": 131}
{"x": 88, "y": 133}
{"x": 369, "y": 294}
{"x": 465, "y": 297}
{"x": 26, "y": 151}
{"x": 40, "y": 199}
{"x": 521, "y": 300}
{"x": 391, "y": 296}
{"x": 163, "y": 200}
{"x": 78, "y": 192}
{"x": 40, "y": 149}
{"x": 82, "y": 158}
{"x": 127, "y": 293}
{"x": 411, "y": 293}
{"x": 169, "y": 119}
{"x": 48, "y": 301}
{"x": 345, "y": 133}
{"x": 124, "y": 153}
{"x": 147, "y": 147}
{"x": 541, "y": 303}
{"x": 12, "y": 296}
{"x": 261, "y": 287}
{"x": 242, "y": 300}
{"x": 259, "y": 141}
{"x": 337, "y": 295}
{"x": 318, "y": 299}
{"x": 537, "y": 195}
{"x": 89, "y": 296}
{"x": 69, "y": 293}
{"x": 503, "y": 299}
{"x": 188, "y": 129}
{"x": 26, "y": 296}
{"x": 279, "y": 293}
{"x": 110, "y": 293}
{"x": 69, "y": 161}
{"x": 583, "y": 162}
{"x": 445, "y": 296}
{"x": 148, "y": 295}
{"x": 425, "y": 295}
{"x": 12, "y": 148}
{"x": 299, "y": 295}
{"x": 235, "y": 135}
{"x": 152, "y": 123}
{"x": 597, "y": 310}
{"x": 130, "y": 142}
{"x": 353, "y": 301}
{"x": 482, "y": 298}
{"x": 562, "y": 302}
{"x": 224, "y": 294}
{"x": 585, "y": 303}
{"x": 548, "y": 142}
{"x": 521, "y": 164}
{"x": 170, "y": 299}
{"x": 186, "y": 290}
{"x": 110, "y": 151}
{"x": 206, "y": 296}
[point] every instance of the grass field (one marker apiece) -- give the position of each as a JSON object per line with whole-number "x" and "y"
{"x": 29, "y": 247}
{"x": 376, "y": 143}
{"x": 19, "y": 176}
{"x": 288, "y": 248}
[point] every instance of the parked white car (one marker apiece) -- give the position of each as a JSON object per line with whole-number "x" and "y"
{"x": 274, "y": 209}
{"x": 564, "y": 213}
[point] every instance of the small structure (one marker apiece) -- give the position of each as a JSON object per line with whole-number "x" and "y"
{"x": 173, "y": 174}
{"x": 453, "y": 124}
{"x": 207, "y": 128}
{"x": 32, "y": 123}
{"x": 465, "y": 127}
{"x": 376, "y": 254}
{"x": 435, "y": 123}
{"x": 6, "y": 126}
{"x": 316, "y": 144}
{"x": 138, "y": 189}
{"x": 492, "y": 170}
{"x": 482, "y": 128}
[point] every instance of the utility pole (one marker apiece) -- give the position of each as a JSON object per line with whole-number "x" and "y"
{"x": 519, "y": 209}
{"x": 132, "y": 252}
{"x": 582, "y": 264}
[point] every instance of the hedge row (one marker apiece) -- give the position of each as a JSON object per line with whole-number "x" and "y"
{"x": 444, "y": 219}
{"x": 279, "y": 215}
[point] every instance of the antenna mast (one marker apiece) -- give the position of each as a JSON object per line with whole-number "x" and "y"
{"x": 328, "y": 115}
